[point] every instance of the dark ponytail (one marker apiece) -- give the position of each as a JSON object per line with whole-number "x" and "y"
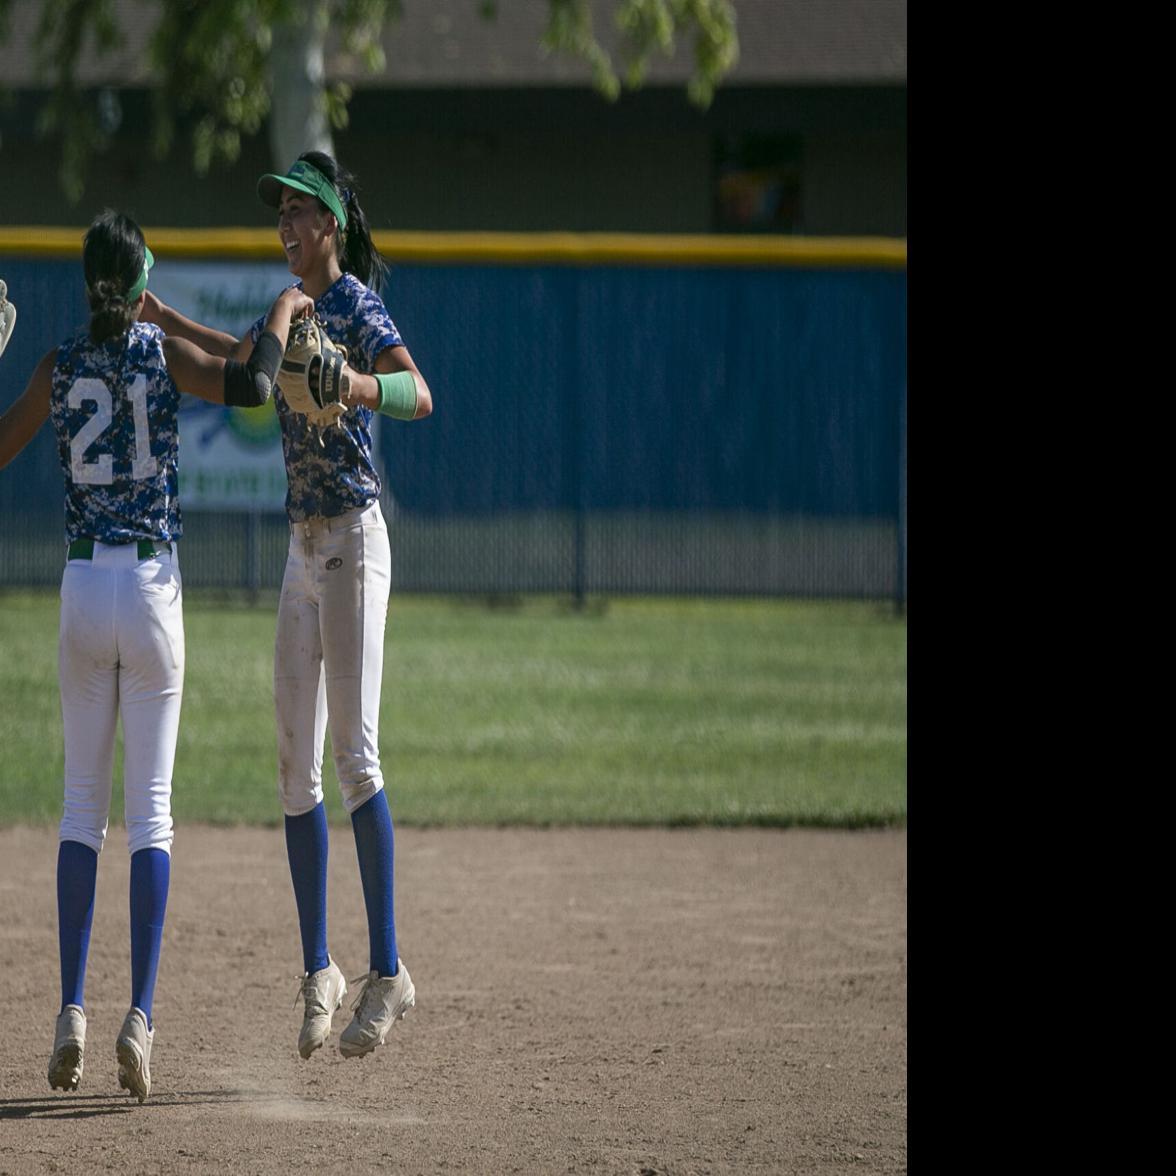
{"x": 113, "y": 251}
{"x": 358, "y": 254}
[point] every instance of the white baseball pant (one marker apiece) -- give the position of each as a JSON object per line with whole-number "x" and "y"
{"x": 329, "y": 657}
{"x": 120, "y": 650}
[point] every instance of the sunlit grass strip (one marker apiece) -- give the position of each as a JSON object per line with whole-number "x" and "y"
{"x": 645, "y": 711}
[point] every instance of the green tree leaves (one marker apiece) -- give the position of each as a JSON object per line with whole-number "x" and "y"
{"x": 215, "y": 61}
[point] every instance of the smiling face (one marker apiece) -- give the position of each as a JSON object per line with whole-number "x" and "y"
{"x": 308, "y": 234}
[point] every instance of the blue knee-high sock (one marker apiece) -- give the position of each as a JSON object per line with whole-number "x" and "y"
{"x": 372, "y": 823}
{"x": 77, "y": 876}
{"x": 150, "y": 879}
{"x": 306, "y": 849}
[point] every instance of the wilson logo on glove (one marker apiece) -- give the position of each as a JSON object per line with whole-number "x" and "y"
{"x": 313, "y": 376}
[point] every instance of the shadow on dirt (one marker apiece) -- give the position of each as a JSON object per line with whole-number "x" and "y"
{"x": 86, "y": 1106}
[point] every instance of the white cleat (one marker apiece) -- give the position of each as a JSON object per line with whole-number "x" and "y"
{"x": 323, "y": 991}
{"x": 69, "y": 1047}
{"x": 381, "y": 1003}
{"x": 7, "y": 317}
{"x": 133, "y": 1049}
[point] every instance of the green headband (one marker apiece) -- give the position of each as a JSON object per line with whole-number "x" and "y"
{"x": 141, "y": 284}
{"x": 305, "y": 177}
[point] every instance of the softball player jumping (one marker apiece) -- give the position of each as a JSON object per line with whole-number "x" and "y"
{"x": 112, "y": 393}
{"x": 329, "y": 650}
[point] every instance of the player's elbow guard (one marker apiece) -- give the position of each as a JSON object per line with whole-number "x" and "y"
{"x": 249, "y": 385}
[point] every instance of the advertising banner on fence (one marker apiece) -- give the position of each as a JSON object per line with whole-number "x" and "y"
{"x": 230, "y": 458}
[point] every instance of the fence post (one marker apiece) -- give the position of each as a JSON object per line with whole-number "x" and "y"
{"x": 253, "y": 550}
{"x": 901, "y": 587}
{"x": 574, "y": 441}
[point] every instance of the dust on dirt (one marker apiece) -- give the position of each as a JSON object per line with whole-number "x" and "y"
{"x": 588, "y": 1000}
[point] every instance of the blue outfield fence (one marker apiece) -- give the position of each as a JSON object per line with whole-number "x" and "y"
{"x": 631, "y": 426}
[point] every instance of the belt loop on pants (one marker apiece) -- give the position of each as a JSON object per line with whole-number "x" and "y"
{"x": 147, "y": 548}
{"x": 316, "y": 525}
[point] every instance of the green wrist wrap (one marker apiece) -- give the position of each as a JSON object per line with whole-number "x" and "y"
{"x": 398, "y": 395}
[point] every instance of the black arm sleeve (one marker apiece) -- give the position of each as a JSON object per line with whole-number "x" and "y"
{"x": 248, "y": 385}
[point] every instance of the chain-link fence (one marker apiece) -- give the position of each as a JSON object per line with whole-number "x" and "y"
{"x": 598, "y": 429}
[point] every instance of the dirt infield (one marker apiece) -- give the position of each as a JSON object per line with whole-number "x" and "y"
{"x": 620, "y": 1001}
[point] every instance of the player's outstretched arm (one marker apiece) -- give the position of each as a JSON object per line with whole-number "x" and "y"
{"x": 228, "y": 381}
{"x": 175, "y": 325}
{"x": 29, "y": 412}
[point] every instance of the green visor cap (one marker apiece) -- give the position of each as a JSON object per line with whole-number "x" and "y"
{"x": 306, "y": 178}
{"x": 141, "y": 284}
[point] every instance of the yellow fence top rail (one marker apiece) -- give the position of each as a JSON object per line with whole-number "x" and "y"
{"x": 506, "y": 248}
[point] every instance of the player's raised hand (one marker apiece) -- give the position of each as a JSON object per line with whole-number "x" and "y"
{"x": 7, "y": 317}
{"x": 299, "y": 304}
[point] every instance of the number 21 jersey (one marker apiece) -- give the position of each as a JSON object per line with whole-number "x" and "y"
{"x": 114, "y": 410}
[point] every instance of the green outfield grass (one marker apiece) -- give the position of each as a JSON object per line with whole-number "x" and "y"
{"x": 642, "y": 711}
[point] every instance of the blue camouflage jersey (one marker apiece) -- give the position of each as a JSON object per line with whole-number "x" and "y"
{"x": 114, "y": 410}
{"x": 339, "y": 474}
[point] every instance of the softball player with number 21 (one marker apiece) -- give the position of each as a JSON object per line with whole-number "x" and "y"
{"x": 112, "y": 393}
{"x": 329, "y": 648}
